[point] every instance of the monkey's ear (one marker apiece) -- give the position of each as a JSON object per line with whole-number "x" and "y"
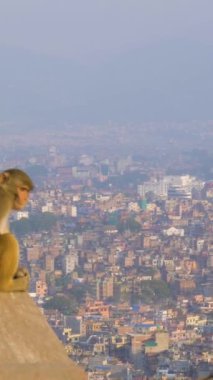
{"x": 4, "y": 177}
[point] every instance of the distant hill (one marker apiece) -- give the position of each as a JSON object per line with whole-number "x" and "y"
{"x": 169, "y": 82}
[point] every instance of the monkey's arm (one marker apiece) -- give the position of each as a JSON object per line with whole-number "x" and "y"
{"x": 9, "y": 257}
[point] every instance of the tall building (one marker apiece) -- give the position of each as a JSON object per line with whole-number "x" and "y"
{"x": 105, "y": 288}
{"x": 70, "y": 262}
{"x": 179, "y": 192}
{"x": 157, "y": 187}
{"x": 49, "y": 263}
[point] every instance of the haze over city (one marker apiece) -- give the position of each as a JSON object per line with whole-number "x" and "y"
{"x": 99, "y": 61}
{"x": 107, "y": 107}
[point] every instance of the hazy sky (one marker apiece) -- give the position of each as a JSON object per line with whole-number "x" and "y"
{"x": 100, "y": 60}
{"x": 98, "y": 29}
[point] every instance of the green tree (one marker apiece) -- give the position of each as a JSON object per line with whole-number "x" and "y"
{"x": 63, "y": 303}
{"x": 63, "y": 281}
{"x": 152, "y": 291}
{"x": 35, "y": 223}
{"x": 78, "y": 292}
{"x": 130, "y": 224}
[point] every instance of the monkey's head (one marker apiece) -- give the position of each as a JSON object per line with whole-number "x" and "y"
{"x": 18, "y": 186}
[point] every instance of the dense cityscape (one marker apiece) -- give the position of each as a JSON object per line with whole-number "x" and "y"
{"x": 106, "y": 190}
{"x": 120, "y": 250}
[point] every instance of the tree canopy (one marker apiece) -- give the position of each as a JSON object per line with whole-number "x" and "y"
{"x": 35, "y": 223}
{"x": 66, "y": 305}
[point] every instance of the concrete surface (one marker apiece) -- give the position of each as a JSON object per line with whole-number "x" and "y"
{"x": 29, "y": 349}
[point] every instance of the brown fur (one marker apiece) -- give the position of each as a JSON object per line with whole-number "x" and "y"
{"x": 12, "y": 278}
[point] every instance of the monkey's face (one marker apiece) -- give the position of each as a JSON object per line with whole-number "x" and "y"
{"x": 21, "y": 198}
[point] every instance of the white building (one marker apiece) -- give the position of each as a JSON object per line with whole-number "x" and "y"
{"x": 74, "y": 211}
{"x": 157, "y": 187}
{"x": 171, "y": 186}
{"x": 172, "y": 231}
{"x": 22, "y": 214}
{"x": 48, "y": 207}
{"x": 70, "y": 262}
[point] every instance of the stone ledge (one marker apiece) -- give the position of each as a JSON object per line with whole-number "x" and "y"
{"x": 29, "y": 349}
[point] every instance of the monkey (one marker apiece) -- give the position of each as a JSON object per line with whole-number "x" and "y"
{"x": 15, "y": 186}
